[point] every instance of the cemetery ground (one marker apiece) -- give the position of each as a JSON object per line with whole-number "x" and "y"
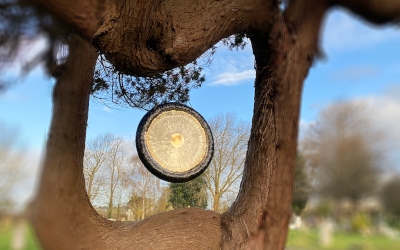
{"x": 310, "y": 240}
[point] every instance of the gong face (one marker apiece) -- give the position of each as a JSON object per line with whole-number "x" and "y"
{"x": 174, "y": 142}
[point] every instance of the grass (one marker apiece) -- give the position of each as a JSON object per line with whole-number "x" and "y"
{"x": 309, "y": 240}
{"x": 6, "y": 235}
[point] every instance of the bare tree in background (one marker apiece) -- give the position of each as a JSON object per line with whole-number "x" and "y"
{"x": 11, "y": 163}
{"x": 163, "y": 203}
{"x": 116, "y": 159}
{"x": 96, "y": 154}
{"x": 230, "y": 145}
{"x": 146, "y": 188}
{"x": 303, "y": 178}
{"x": 346, "y": 151}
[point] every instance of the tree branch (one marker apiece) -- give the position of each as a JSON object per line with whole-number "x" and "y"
{"x": 85, "y": 16}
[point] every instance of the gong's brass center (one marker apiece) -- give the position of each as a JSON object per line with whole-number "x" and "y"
{"x": 177, "y": 140}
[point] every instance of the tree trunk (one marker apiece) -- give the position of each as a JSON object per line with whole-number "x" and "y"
{"x": 216, "y": 198}
{"x": 262, "y": 210}
{"x": 62, "y": 215}
{"x": 144, "y": 37}
{"x": 60, "y": 198}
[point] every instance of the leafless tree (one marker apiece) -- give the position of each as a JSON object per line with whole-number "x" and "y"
{"x": 11, "y": 166}
{"x": 230, "y": 146}
{"x": 96, "y": 154}
{"x": 346, "y": 151}
{"x": 115, "y": 162}
{"x": 146, "y": 188}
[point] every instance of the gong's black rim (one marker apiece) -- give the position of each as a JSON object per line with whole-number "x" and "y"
{"x": 149, "y": 161}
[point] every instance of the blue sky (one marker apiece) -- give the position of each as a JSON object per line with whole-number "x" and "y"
{"x": 361, "y": 63}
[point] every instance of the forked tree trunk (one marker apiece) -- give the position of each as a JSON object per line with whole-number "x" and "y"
{"x": 64, "y": 218}
{"x": 216, "y": 200}
{"x": 259, "y": 217}
{"x": 62, "y": 215}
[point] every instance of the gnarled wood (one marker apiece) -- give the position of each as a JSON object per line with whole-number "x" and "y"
{"x": 262, "y": 210}
{"x": 146, "y": 37}
{"x": 62, "y": 215}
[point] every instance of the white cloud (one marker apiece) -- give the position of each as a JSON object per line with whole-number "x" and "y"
{"x": 345, "y": 31}
{"x": 107, "y": 109}
{"x": 233, "y": 78}
{"x": 385, "y": 113}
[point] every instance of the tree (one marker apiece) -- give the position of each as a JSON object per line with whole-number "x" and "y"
{"x": 390, "y": 197}
{"x": 94, "y": 160}
{"x": 11, "y": 167}
{"x": 230, "y": 145}
{"x": 116, "y": 159}
{"x": 346, "y": 153}
{"x": 145, "y": 188}
{"x": 147, "y": 37}
{"x": 189, "y": 194}
{"x": 302, "y": 185}
{"x": 163, "y": 203}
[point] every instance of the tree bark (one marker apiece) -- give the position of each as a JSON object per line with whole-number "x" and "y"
{"x": 85, "y": 16}
{"x": 259, "y": 217}
{"x": 146, "y": 37}
{"x": 60, "y": 197}
{"x": 62, "y": 215}
{"x": 216, "y": 198}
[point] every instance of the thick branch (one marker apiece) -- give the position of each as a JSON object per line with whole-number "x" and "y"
{"x": 145, "y": 37}
{"x": 85, "y": 16}
{"x": 283, "y": 56}
{"x": 62, "y": 215}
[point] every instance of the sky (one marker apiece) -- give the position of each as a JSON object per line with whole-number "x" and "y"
{"x": 361, "y": 63}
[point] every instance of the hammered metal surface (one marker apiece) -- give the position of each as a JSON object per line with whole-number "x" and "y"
{"x": 176, "y": 141}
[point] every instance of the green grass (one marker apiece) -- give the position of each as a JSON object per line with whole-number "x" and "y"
{"x": 309, "y": 240}
{"x": 6, "y": 234}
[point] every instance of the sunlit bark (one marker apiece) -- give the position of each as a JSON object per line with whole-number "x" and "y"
{"x": 145, "y": 37}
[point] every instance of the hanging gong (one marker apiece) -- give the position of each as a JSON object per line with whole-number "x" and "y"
{"x": 174, "y": 142}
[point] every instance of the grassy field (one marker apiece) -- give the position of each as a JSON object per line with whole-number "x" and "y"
{"x": 6, "y": 234}
{"x": 302, "y": 240}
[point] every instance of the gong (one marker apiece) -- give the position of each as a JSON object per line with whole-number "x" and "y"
{"x": 174, "y": 142}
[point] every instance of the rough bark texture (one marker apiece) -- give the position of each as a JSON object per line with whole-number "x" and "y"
{"x": 151, "y": 36}
{"x": 85, "y": 16}
{"x": 62, "y": 215}
{"x": 263, "y": 207}
{"x": 145, "y": 37}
